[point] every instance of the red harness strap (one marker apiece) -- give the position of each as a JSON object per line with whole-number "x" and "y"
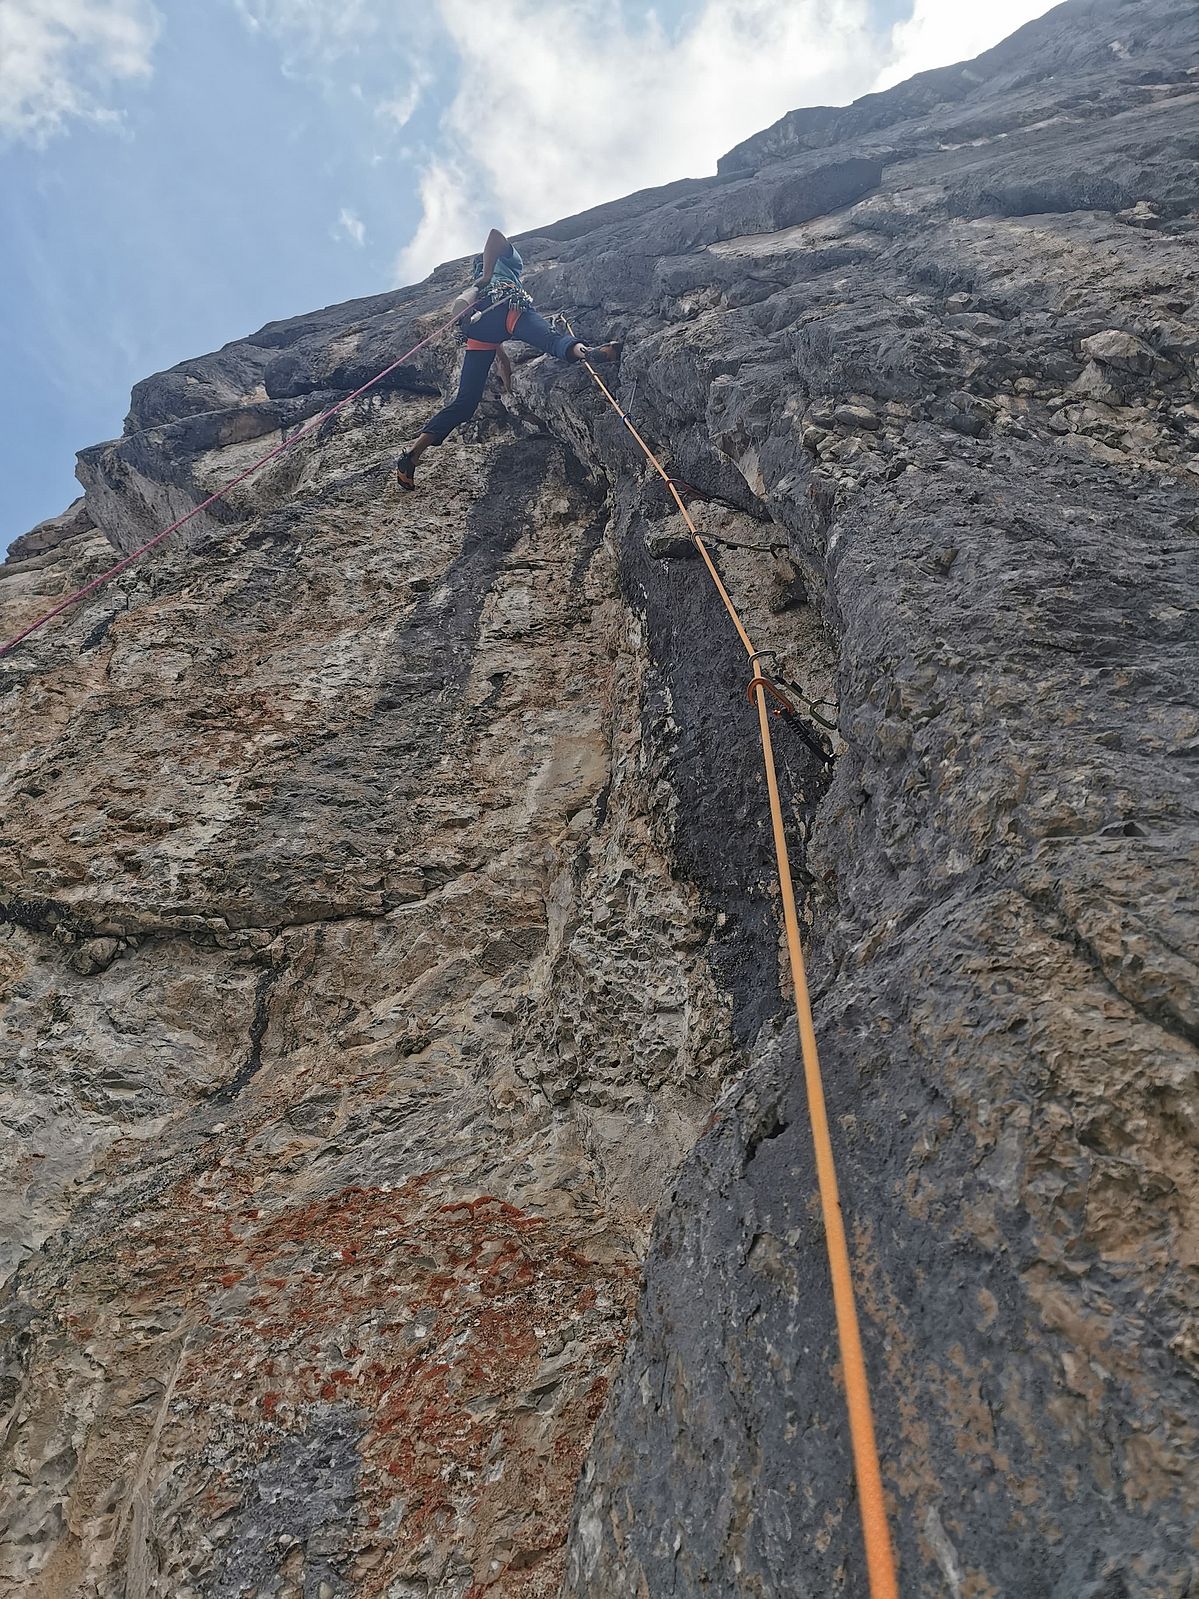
{"x": 514, "y": 315}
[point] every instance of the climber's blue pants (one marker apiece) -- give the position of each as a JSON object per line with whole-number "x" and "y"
{"x": 492, "y": 329}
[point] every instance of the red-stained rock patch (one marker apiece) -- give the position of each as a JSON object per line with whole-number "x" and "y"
{"x": 469, "y": 1341}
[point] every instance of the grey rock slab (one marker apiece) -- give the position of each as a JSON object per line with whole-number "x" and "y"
{"x": 1122, "y": 351}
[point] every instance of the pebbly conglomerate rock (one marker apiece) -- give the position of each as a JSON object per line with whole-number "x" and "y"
{"x": 391, "y": 930}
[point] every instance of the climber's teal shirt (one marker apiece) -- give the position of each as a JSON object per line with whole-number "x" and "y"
{"x": 504, "y": 283}
{"x": 506, "y": 274}
{"x": 508, "y": 268}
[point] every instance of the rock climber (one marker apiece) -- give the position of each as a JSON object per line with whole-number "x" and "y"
{"x": 501, "y": 309}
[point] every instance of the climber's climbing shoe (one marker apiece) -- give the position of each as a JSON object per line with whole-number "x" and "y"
{"x": 607, "y": 352}
{"x": 406, "y": 472}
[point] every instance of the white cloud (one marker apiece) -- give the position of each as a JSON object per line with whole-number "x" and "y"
{"x": 449, "y": 224}
{"x": 588, "y": 105}
{"x": 59, "y": 59}
{"x": 399, "y": 110}
{"x": 350, "y": 226}
{"x": 940, "y": 32}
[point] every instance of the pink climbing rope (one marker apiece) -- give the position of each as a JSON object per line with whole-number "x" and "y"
{"x": 98, "y": 582}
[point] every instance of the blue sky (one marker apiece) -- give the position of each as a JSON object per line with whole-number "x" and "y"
{"x": 175, "y": 173}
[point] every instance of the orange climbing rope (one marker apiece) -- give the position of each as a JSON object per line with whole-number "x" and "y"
{"x": 876, "y": 1535}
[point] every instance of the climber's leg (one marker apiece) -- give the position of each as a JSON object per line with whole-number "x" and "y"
{"x": 531, "y": 328}
{"x": 476, "y": 364}
{"x": 535, "y": 330}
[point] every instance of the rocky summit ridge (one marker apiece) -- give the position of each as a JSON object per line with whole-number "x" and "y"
{"x": 407, "y": 1190}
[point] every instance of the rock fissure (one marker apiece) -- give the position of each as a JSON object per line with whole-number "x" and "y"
{"x": 259, "y": 1022}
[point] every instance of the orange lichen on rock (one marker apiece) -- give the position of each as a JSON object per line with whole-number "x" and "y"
{"x": 465, "y": 1344}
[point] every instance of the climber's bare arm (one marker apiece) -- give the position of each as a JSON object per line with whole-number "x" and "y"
{"x": 496, "y": 246}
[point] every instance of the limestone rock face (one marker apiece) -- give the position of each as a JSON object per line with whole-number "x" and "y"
{"x": 407, "y": 1187}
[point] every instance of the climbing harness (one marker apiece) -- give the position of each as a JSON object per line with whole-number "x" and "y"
{"x": 876, "y": 1535}
{"x": 143, "y": 549}
{"x": 515, "y": 312}
{"x": 499, "y": 290}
